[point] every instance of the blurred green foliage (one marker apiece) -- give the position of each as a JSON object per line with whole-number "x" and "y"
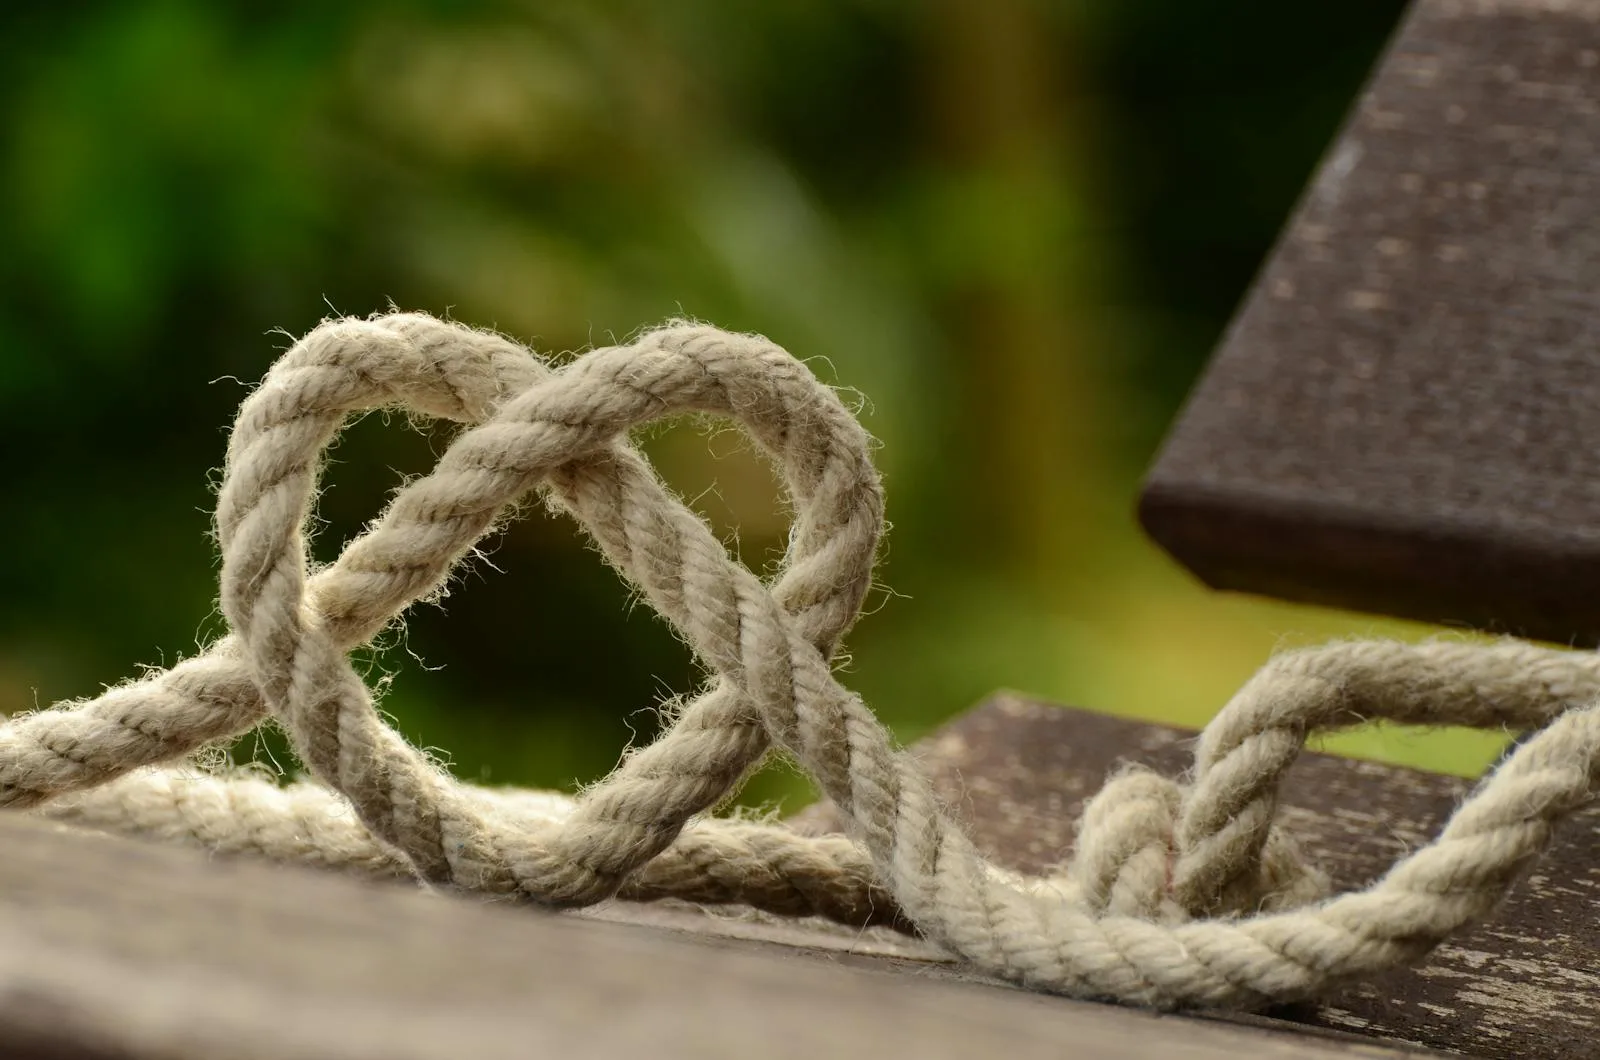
{"x": 1015, "y": 227}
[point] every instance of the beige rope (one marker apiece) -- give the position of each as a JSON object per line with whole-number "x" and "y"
{"x": 1175, "y": 894}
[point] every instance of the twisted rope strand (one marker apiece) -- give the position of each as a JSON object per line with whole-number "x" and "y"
{"x": 714, "y": 861}
{"x": 169, "y": 714}
{"x": 350, "y": 366}
{"x": 654, "y": 540}
{"x": 1176, "y": 894}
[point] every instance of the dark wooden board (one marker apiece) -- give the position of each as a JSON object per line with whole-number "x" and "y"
{"x": 113, "y": 950}
{"x": 1401, "y": 417}
{"x": 1526, "y": 984}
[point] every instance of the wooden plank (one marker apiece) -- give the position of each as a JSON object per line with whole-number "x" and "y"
{"x": 112, "y": 950}
{"x": 115, "y": 949}
{"x": 1400, "y": 417}
{"x": 1526, "y": 984}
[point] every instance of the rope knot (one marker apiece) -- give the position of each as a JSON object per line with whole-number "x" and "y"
{"x": 1128, "y": 852}
{"x": 1126, "y": 847}
{"x": 1177, "y": 893}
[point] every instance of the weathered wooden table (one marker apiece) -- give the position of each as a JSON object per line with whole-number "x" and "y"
{"x": 119, "y": 949}
{"x": 1397, "y": 421}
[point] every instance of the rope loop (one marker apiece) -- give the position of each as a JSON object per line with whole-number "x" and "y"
{"x": 1176, "y": 894}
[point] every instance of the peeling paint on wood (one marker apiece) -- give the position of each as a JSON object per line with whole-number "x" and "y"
{"x": 1525, "y": 984}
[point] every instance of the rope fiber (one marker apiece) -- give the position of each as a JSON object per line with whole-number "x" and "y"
{"x": 1177, "y": 894}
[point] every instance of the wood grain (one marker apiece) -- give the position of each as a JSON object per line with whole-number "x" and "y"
{"x": 112, "y": 950}
{"x": 1526, "y": 984}
{"x": 1399, "y": 418}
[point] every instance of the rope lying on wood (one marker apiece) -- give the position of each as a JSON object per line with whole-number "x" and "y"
{"x": 1176, "y": 894}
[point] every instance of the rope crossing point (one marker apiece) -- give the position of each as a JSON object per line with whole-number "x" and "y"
{"x": 1177, "y": 894}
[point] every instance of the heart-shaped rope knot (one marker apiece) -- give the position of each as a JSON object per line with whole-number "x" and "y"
{"x": 1176, "y": 894}
{"x": 562, "y": 432}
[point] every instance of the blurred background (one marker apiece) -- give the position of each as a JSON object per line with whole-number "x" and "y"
{"x": 1015, "y": 228}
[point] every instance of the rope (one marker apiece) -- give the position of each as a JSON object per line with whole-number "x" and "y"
{"x": 1177, "y": 894}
